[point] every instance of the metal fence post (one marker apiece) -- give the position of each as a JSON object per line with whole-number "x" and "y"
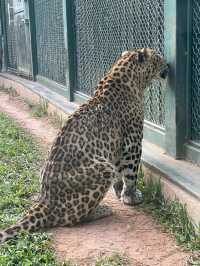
{"x": 192, "y": 147}
{"x": 176, "y": 52}
{"x": 189, "y": 70}
{"x": 70, "y": 45}
{"x": 33, "y": 39}
{"x": 4, "y": 37}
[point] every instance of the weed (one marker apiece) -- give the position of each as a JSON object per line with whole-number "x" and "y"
{"x": 31, "y": 249}
{"x": 170, "y": 213}
{"x": 37, "y": 110}
{"x": 28, "y": 102}
{"x": 10, "y": 90}
{"x": 41, "y": 109}
{"x": 56, "y": 120}
{"x": 113, "y": 260}
{"x": 2, "y": 88}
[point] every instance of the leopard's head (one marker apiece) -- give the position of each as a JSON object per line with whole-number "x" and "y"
{"x": 143, "y": 65}
{"x": 156, "y": 66}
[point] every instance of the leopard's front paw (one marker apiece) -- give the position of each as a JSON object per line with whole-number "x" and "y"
{"x": 132, "y": 198}
{"x": 118, "y": 187}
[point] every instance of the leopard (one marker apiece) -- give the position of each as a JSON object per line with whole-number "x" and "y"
{"x": 98, "y": 147}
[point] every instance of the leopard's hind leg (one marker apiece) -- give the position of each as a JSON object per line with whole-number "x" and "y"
{"x": 100, "y": 212}
{"x": 99, "y": 177}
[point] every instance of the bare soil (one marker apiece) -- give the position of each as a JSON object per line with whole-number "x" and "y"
{"x": 128, "y": 231}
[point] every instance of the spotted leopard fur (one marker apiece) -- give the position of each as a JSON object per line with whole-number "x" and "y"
{"x": 99, "y": 145}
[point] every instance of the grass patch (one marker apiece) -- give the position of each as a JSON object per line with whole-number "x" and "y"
{"x": 37, "y": 110}
{"x": 113, "y": 260}
{"x": 57, "y": 120}
{"x": 29, "y": 250}
{"x": 171, "y": 214}
{"x": 20, "y": 160}
{"x": 9, "y": 90}
{"x": 41, "y": 109}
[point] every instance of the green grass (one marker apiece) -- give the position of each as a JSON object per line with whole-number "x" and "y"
{"x": 113, "y": 260}
{"x": 9, "y": 90}
{"x": 20, "y": 160}
{"x": 56, "y": 120}
{"x": 172, "y": 215}
{"x": 41, "y": 109}
{"x": 37, "y": 110}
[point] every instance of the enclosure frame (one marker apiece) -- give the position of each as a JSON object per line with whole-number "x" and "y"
{"x": 4, "y": 44}
{"x": 33, "y": 39}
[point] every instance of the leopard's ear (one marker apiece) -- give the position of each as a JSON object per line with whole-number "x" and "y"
{"x": 143, "y": 55}
{"x": 124, "y": 53}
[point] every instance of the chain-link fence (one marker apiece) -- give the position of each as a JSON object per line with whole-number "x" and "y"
{"x": 51, "y": 52}
{"x": 106, "y": 28}
{"x": 11, "y": 36}
{"x": 195, "y": 105}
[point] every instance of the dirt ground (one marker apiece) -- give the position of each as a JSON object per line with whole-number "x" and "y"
{"x": 128, "y": 231}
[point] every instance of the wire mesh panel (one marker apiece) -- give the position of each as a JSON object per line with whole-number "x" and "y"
{"x": 195, "y": 106}
{"x": 106, "y": 28}
{"x": 18, "y": 37}
{"x": 51, "y": 52}
{"x": 11, "y": 35}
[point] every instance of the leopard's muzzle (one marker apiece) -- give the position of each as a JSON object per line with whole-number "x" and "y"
{"x": 164, "y": 72}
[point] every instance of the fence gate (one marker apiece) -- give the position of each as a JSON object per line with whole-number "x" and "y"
{"x": 18, "y": 37}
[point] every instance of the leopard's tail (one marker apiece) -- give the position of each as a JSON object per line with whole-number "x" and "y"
{"x": 35, "y": 219}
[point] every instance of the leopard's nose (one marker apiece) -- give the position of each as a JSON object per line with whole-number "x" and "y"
{"x": 164, "y": 72}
